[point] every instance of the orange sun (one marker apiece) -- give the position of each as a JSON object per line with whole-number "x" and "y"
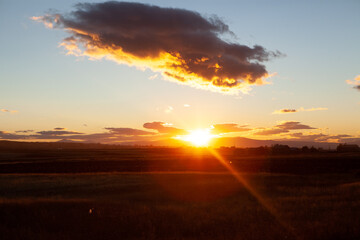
{"x": 199, "y": 137}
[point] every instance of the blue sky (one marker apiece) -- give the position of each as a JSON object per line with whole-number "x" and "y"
{"x": 50, "y": 89}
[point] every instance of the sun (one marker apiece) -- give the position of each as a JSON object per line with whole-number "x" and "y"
{"x": 199, "y": 137}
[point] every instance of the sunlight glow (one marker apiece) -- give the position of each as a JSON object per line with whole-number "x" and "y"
{"x": 199, "y": 137}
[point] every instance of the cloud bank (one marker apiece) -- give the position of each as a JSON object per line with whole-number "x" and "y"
{"x": 165, "y": 132}
{"x": 182, "y": 45}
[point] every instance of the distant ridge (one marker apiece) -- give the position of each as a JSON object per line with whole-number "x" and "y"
{"x": 239, "y": 142}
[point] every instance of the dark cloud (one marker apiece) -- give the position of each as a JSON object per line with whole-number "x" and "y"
{"x": 272, "y": 131}
{"x": 319, "y": 137}
{"x": 228, "y": 128}
{"x": 57, "y": 133}
{"x": 162, "y": 127}
{"x": 59, "y": 128}
{"x": 293, "y": 126}
{"x": 286, "y": 110}
{"x": 355, "y": 82}
{"x": 129, "y": 131}
{"x": 284, "y": 127}
{"x": 181, "y": 44}
{"x": 24, "y": 131}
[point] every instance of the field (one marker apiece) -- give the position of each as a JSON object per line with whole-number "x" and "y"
{"x": 177, "y": 194}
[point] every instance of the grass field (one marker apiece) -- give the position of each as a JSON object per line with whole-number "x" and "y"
{"x": 119, "y": 195}
{"x": 178, "y": 206}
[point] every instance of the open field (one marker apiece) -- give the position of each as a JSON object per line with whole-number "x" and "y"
{"x": 187, "y": 195}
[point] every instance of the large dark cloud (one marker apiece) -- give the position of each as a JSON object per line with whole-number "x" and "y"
{"x": 162, "y": 127}
{"x": 181, "y": 44}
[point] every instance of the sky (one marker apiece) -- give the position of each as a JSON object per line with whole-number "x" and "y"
{"x": 146, "y": 70}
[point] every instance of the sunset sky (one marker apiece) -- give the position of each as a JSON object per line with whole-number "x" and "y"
{"x": 121, "y": 71}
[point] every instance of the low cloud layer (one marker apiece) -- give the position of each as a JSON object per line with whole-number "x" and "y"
{"x": 165, "y": 132}
{"x": 228, "y": 128}
{"x": 355, "y": 82}
{"x": 163, "y": 127}
{"x": 287, "y": 110}
{"x": 129, "y": 131}
{"x": 284, "y": 127}
{"x": 182, "y": 45}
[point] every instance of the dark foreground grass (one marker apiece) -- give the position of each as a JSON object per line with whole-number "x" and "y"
{"x": 178, "y": 206}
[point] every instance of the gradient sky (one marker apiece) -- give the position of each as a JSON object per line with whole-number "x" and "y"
{"x": 43, "y": 88}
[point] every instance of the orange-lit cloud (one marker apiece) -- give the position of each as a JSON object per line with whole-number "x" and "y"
{"x": 129, "y": 131}
{"x": 162, "y": 127}
{"x": 355, "y": 82}
{"x": 167, "y": 135}
{"x": 228, "y": 128}
{"x": 180, "y": 44}
{"x": 287, "y": 110}
{"x": 8, "y": 111}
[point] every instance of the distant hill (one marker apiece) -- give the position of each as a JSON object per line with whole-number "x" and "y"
{"x": 239, "y": 142}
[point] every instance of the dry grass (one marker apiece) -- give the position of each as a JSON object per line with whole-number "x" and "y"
{"x": 178, "y": 206}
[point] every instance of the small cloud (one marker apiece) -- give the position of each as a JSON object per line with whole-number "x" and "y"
{"x": 355, "y": 82}
{"x": 57, "y": 133}
{"x": 186, "y": 105}
{"x": 8, "y": 111}
{"x": 59, "y": 128}
{"x": 24, "y": 131}
{"x": 287, "y": 110}
{"x": 169, "y": 109}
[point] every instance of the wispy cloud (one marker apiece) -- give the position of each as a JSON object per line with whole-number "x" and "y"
{"x": 283, "y": 127}
{"x": 129, "y": 131}
{"x": 169, "y": 109}
{"x": 288, "y": 110}
{"x": 228, "y": 128}
{"x": 8, "y": 111}
{"x": 355, "y": 82}
{"x": 182, "y": 45}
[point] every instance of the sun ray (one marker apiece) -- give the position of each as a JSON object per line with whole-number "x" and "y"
{"x": 253, "y": 191}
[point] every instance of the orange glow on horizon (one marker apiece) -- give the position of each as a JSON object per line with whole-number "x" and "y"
{"x": 198, "y": 137}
